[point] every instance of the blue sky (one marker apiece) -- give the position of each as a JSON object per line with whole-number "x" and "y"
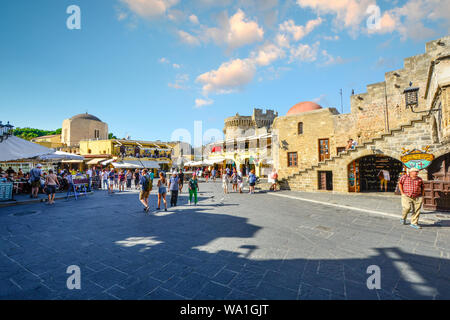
{"x": 148, "y": 67}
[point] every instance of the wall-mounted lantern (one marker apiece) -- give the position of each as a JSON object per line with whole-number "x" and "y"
{"x": 411, "y": 97}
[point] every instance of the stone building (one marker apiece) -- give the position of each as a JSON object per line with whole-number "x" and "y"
{"x": 245, "y": 126}
{"x": 83, "y": 127}
{"x": 384, "y": 121}
{"x": 247, "y": 145}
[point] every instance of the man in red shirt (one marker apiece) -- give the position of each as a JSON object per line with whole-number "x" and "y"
{"x": 411, "y": 187}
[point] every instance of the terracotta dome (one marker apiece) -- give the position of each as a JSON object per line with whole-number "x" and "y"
{"x": 303, "y": 107}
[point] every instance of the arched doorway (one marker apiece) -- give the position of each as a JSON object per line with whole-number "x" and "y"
{"x": 437, "y": 188}
{"x": 364, "y": 173}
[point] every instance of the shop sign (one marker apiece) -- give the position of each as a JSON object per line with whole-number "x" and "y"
{"x": 417, "y": 158}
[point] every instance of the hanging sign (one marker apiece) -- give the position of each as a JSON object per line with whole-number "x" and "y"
{"x": 417, "y": 158}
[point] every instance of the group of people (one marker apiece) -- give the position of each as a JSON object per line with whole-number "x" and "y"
{"x": 174, "y": 185}
{"x": 121, "y": 179}
{"x": 49, "y": 182}
{"x": 236, "y": 178}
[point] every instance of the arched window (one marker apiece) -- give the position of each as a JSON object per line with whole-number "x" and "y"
{"x": 300, "y": 128}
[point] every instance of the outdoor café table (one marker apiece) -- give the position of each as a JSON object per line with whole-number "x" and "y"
{"x": 80, "y": 184}
{"x": 18, "y": 186}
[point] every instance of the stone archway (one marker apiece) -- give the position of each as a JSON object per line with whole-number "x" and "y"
{"x": 363, "y": 174}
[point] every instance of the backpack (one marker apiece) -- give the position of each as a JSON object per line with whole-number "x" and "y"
{"x": 146, "y": 184}
{"x": 192, "y": 184}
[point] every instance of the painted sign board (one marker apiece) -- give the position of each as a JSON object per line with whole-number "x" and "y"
{"x": 417, "y": 159}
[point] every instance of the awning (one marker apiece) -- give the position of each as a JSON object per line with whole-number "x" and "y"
{"x": 15, "y": 148}
{"x": 59, "y": 155}
{"x": 106, "y": 162}
{"x": 126, "y": 165}
{"x": 95, "y": 161}
{"x": 214, "y": 161}
{"x": 144, "y": 164}
{"x": 72, "y": 161}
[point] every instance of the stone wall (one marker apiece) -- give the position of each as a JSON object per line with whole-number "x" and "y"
{"x": 317, "y": 124}
{"x": 376, "y": 112}
{"x": 416, "y": 135}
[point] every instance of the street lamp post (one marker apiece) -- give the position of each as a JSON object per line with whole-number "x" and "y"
{"x": 5, "y": 131}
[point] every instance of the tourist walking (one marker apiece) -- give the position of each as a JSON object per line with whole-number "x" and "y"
{"x": 122, "y": 179}
{"x": 384, "y": 177}
{"x": 173, "y": 187}
{"x": 51, "y": 181}
{"x": 129, "y": 176}
{"x": 180, "y": 181}
{"x": 136, "y": 179}
{"x": 412, "y": 190}
{"x": 225, "y": 182}
{"x": 234, "y": 180}
{"x": 35, "y": 180}
{"x": 116, "y": 179}
{"x": 252, "y": 181}
{"x": 111, "y": 180}
{"x": 240, "y": 181}
{"x": 105, "y": 179}
{"x": 193, "y": 189}
{"x": 213, "y": 174}
{"x": 273, "y": 179}
{"x": 162, "y": 191}
{"x": 146, "y": 184}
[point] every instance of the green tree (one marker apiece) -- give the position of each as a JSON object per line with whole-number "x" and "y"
{"x": 30, "y": 133}
{"x": 111, "y": 136}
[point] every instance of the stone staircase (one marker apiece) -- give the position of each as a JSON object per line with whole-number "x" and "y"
{"x": 285, "y": 183}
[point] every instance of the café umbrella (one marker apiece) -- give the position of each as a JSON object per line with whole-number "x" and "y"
{"x": 60, "y": 155}
{"x": 15, "y": 148}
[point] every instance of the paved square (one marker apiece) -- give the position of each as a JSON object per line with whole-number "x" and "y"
{"x": 237, "y": 246}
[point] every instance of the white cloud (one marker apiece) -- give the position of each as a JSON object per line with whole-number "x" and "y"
{"x": 194, "y": 19}
{"x": 180, "y": 82}
{"x": 331, "y": 60}
{"x": 409, "y": 20}
{"x": 282, "y": 41}
{"x": 267, "y": 54}
{"x": 304, "y": 52}
{"x": 349, "y": 13}
{"x": 234, "y": 32}
{"x": 121, "y": 16}
{"x": 150, "y": 8}
{"x": 331, "y": 38}
{"x": 298, "y": 32}
{"x": 176, "y": 66}
{"x": 163, "y": 60}
{"x": 202, "y": 102}
{"x": 242, "y": 31}
{"x": 229, "y": 77}
{"x": 188, "y": 38}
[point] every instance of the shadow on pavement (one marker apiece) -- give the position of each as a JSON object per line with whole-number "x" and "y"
{"x": 158, "y": 257}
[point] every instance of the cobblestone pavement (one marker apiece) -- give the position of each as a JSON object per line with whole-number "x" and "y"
{"x": 237, "y": 246}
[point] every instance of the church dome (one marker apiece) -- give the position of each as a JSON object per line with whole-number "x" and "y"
{"x": 85, "y": 116}
{"x": 303, "y": 107}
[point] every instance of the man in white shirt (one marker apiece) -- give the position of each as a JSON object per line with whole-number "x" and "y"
{"x": 105, "y": 175}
